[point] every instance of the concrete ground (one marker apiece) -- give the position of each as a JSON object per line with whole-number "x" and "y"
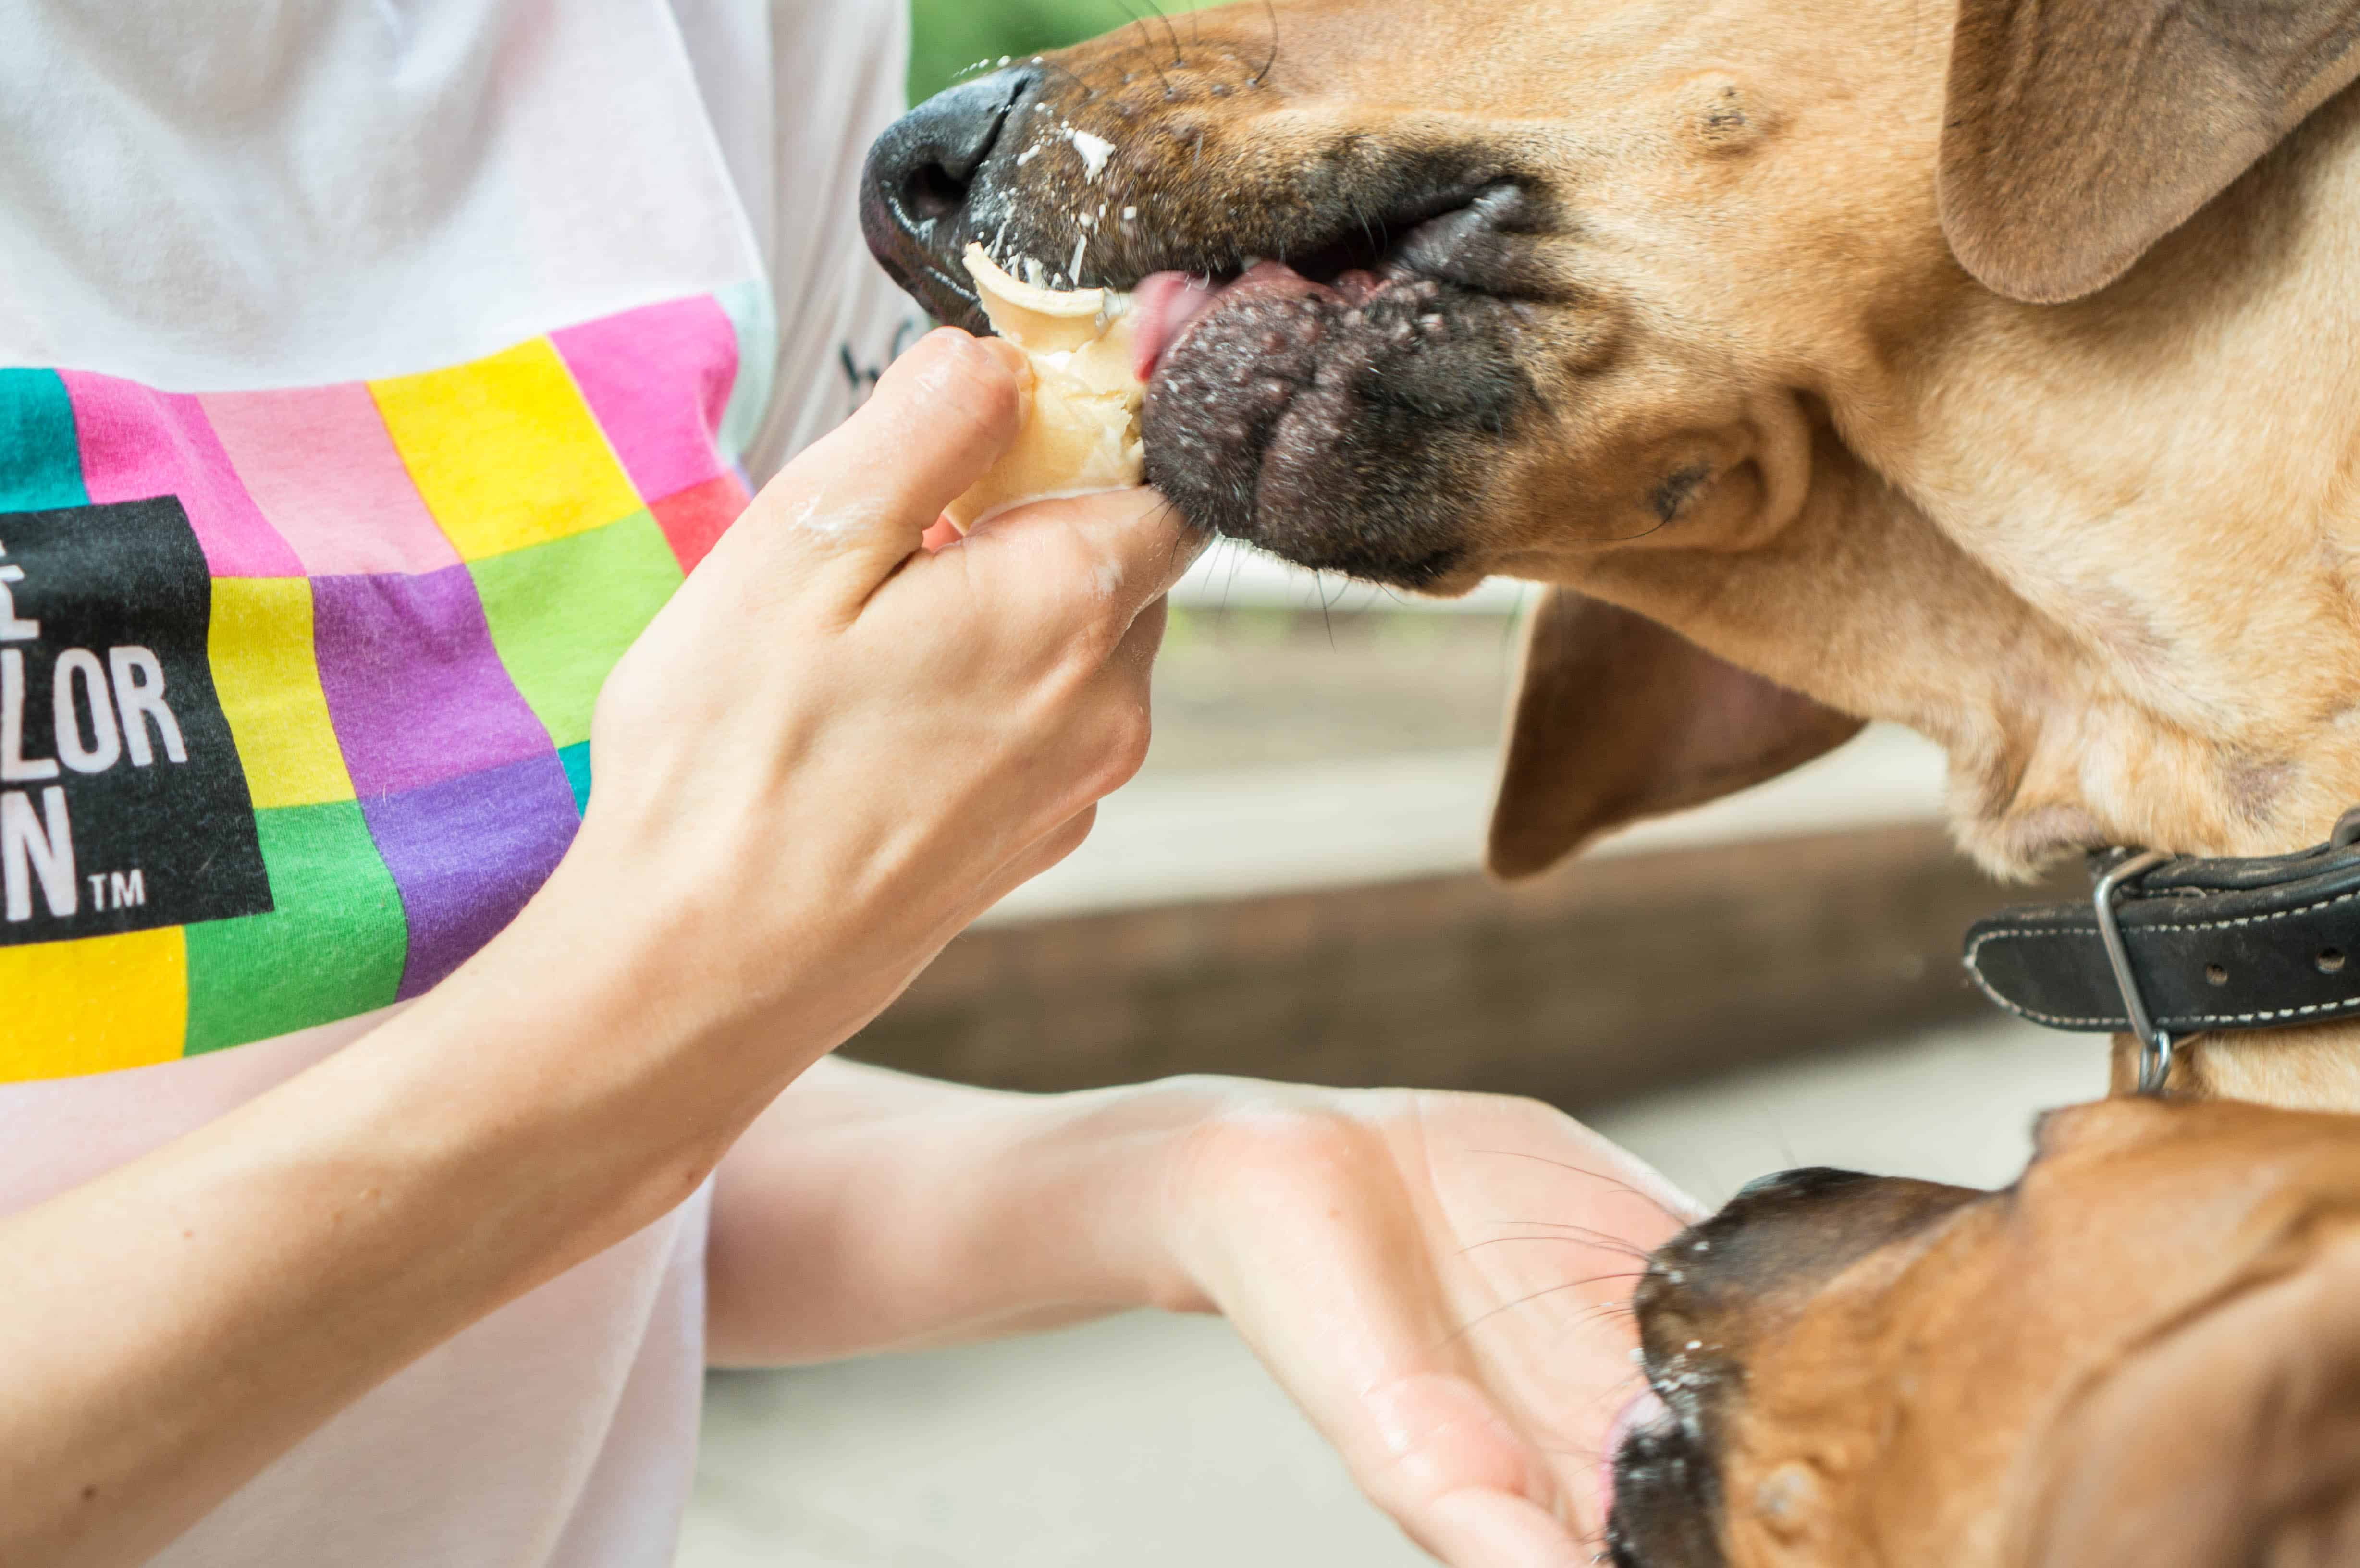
{"x": 1158, "y": 1442}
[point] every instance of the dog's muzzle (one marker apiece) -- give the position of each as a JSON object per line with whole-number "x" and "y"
{"x": 1344, "y": 407}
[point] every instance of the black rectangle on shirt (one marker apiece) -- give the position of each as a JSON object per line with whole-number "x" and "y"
{"x": 134, "y": 790}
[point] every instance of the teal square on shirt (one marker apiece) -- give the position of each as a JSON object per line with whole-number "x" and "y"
{"x": 40, "y": 462}
{"x": 576, "y": 762}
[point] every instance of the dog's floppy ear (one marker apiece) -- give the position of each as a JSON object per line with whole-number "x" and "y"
{"x": 2231, "y": 1436}
{"x": 2080, "y": 131}
{"x": 1618, "y": 718}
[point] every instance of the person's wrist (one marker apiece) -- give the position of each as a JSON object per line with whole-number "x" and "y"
{"x": 594, "y": 1037}
{"x": 1203, "y": 1154}
{"x": 755, "y": 989}
{"x": 629, "y": 949}
{"x": 1099, "y": 1171}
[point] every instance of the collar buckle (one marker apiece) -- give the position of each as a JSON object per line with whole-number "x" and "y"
{"x": 2155, "y": 1044}
{"x": 2184, "y": 945}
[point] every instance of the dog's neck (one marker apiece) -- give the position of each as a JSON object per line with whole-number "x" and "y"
{"x": 2167, "y": 477}
{"x": 2299, "y": 1069}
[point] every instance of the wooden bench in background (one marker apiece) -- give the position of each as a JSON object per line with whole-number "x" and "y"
{"x": 1328, "y": 924}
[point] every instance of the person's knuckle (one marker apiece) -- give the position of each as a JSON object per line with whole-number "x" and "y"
{"x": 1093, "y": 627}
{"x": 1069, "y": 560}
{"x": 1098, "y": 771}
{"x": 1275, "y": 1141}
{"x": 1116, "y": 750}
{"x": 1074, "y": 833}
{"x": 972, "y": 382}
{"x": 1087, "y": 649}
{"x": 1130, "y": 734}
{"x": 631, "y": 694}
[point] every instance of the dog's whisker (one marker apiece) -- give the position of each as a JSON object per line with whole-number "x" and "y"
{"x": 1481, "y": 1318}
{"x": 1148, "y": 51}
{"x": 1559, "y": 1240}
{"x": 1605, "y": 1240}
{"x": 1089, "y": 90}
{"x": 1649, "y": 1198}
{"x": 1179, "y": 56}
{"x": 1579, "y": 1454}
{"x": 1263, "y": 74}
{"x": 1603, "y": 1236}
{"x": 1624, "y": 538}
{"x": 1605, "y": 1310}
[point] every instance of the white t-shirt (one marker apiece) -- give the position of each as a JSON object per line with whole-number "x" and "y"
{"x": 368, "y": 373}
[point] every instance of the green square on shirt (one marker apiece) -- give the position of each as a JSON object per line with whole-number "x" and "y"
{"x": 562, "y": 612}
{"x": 333, "y": 948}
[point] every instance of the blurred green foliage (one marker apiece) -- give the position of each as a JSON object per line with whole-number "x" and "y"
{"x": 949, "y": 36}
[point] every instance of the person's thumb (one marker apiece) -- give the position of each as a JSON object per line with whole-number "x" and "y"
{"x": 856, "y": 505}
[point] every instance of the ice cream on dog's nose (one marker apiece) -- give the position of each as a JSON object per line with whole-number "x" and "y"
{"x": 1081, "y": 429}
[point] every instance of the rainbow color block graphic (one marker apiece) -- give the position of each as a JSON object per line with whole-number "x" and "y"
{"x": 296, "y": 686}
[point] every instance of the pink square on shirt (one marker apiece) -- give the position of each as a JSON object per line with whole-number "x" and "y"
{"x": 694, "y": 520}
{"x": 137, "y": 443}
{"x": 658, "y": 380}
{"x": 320, "y": 465}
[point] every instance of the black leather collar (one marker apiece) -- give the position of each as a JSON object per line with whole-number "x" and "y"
{"x": 2212, "y": 945}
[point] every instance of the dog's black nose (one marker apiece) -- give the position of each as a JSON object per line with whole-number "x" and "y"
{"x": 921, "y": 174}
{"x": 924, "y": 163}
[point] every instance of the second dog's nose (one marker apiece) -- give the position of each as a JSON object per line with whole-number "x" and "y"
{"x": 923, "y": 168}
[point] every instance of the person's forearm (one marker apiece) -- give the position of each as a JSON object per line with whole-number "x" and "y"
{"x": 779, "y": 842}
{"x": 170, "y": 1329}
{"x": 868, "y": 1210}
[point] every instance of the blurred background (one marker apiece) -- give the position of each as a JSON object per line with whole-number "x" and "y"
{"x": 948, "y": 37}
{"x": 1291, "y": 888}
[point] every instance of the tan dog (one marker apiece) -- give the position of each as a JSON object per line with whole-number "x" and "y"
{"x": 2146, "y": 1352}
{"x": 1993, "y": 373}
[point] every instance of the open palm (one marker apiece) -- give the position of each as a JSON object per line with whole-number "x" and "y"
{"x": 1441, "y": 1281}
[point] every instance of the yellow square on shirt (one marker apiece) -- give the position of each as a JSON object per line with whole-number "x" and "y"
{"x": 505, "y": 450}
{"x": 260, "y": 648}
{"x": 98, "y": 1005}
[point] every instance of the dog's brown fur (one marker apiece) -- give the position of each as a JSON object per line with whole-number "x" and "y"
{"x": 2143, "y": 1354}
{"x": 1838, "y": 361}
{"x": 2104, "y": 552}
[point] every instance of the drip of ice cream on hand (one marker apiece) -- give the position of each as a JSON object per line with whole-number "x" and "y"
{"x": 1081, "y": 433}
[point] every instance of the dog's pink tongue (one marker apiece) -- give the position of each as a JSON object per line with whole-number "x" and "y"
{"x": 1167, "y": 304}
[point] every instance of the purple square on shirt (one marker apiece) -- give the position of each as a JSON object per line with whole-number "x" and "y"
{"x": 466, "y": 854}
{"x": 414, "y": 686}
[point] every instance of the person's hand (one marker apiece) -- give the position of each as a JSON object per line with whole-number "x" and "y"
{"x": 827, "y": 754}
{"x": 1441, "y": 1282}
{"x": 836, "y": 747}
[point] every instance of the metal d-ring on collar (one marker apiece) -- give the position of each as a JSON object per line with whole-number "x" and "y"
{"x": 2155, "y": 1044}
{"x": 2222, "y": 944}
